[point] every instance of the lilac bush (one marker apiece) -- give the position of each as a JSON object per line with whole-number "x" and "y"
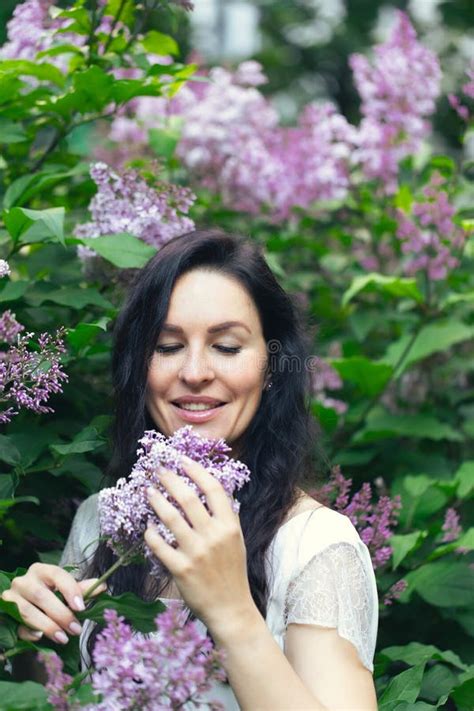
{"x": 124, "y": 510}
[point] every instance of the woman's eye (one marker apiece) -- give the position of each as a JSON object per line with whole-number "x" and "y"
{"x": 223, "y": 349}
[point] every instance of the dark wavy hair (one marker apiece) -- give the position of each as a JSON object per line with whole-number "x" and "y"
{"x": 280, "y": 445}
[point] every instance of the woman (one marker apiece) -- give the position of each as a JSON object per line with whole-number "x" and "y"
{"x": 286, "y": 588}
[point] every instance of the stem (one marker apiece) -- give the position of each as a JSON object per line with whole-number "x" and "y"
{"x": 124, "y": 558}
{"x": 114, "y": 25}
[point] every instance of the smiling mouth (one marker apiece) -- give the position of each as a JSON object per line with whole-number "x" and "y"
{"x": 197, "y": 407}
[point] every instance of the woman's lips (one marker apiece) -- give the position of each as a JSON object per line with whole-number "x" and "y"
{"x": 197, "y": 415}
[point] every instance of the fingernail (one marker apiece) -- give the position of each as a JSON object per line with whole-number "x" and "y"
{"x": 61, "y": 637}
{"x": 79, "y": 603}
{"x": 36, "y": 633}
{"x": 75, "y": 628}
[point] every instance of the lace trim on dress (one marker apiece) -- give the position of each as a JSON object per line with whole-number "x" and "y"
{"x": 333, "y": 590}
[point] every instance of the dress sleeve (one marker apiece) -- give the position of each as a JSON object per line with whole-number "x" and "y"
{"x": 83, "y": 538}
{"x": 336, "y": 588}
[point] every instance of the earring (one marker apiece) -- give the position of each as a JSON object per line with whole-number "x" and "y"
{"x": 269, "y": 385}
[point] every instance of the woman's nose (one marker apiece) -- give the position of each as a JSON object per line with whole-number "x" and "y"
{"x": 196, "y": 369}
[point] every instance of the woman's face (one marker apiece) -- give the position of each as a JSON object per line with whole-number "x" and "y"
{"x": 200, "y": 354}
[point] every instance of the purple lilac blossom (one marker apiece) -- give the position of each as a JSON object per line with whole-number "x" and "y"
{"x": 429, "y": 236}
{"x": 10, "y": 328}
{"x": 28, "y": 377}
{"x": 4, "y": 268}
{"x": 58, "y": 682}
{"x": 174, "y": 666}
{"x": 126, "y": 203}
{"x": 398, "y": 91}
{"x": 374, "y": 522}
{"x": 233, "y": 144}
{"x": 394, "y": 592}
{"x": 124, "y": 510}
{"x": 325, "y": 377}
{"x": 451, "y": 526}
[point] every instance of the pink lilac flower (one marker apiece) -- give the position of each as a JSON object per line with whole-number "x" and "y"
{"x": 233, "y": 145}
{"x": 468, "y": 87}
{"x": 451, "y": 526}
{"x": 58, "y": 682}
{"x": 4, "y": 268}
{"x": 325, "y": 377}
{"x": 9, "y": 327}
{"x": 374, "y": 522}
{"x": 429, "y": 236}
{"x": 174, "y": 666}
{"x": 29, "y": 377}
{"x": 398, "y": 91}
{"x": 124, "y": 510}
{"x": 394, "y": 592}
{"x": 126, "y": 203}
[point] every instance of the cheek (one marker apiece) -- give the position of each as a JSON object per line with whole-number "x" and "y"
{"x": 247, "y": 376}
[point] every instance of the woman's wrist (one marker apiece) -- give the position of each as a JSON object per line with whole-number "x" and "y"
{"x": 238, "y": 627}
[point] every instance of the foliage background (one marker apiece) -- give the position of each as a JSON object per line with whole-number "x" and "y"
{"x": 409, "y": 422}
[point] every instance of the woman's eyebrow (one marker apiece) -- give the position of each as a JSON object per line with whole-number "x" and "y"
{"x": 171, "y": 328}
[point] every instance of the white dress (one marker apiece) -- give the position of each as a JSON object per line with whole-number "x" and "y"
{"x": 319, "y": 572}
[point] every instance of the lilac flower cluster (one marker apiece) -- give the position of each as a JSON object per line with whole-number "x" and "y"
{"x": 394, "y": 592}
{"x": 374, "y": 522}
{"x": 468, "y": 90}
{"x": 451, "y": 526}
{"x": 29, "y": 377}
{"x": 172, "y": 667}
{"x": 325, "y": 377}
{"x": 429, "y": 236}
{"x": 233, "y": 145}
{"x": 124, "y": 510}
{"x": 4, "y": 268}
{"x": 58, "y": 682}
{"x": 9, "y": 327}
{"x": 398, "y": 92}
{"x": 126, "y": 203}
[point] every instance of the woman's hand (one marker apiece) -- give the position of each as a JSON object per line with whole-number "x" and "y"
{"x": 209, "y": 566}
{"x": 39, "y": 607}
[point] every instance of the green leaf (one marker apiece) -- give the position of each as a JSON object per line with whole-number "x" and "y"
{"x": 75, "y": 298}
{"x": 139, "y": 613}
{"x": 158, "y": 43}
{"x": 368, "y": 376}
{"x": 163, "y": 141}
{"x": 26, "y": 187}
{"x": 394, "y": 286}
{"x": 123, "y": 250}
{"x": 383, "y": 425}
{"x": 11, "y": 609}
{"x": 403, "y": 687}
{"x": 11, "y": 132}
{"x": 51, "y": 221}
{"x": 23, "y": 696}
{"x": 6, "y": 504}
{"x": 416, "y": 653}
{"x": 86, "y": 333}
{"x": 443, "y": 583}
{"x": 88, "y": 440}
{"x": 463, "y": 696}
{"x": 464, "y": 479}
{"x": 454, "y": 298}
{"x": 94, "y": 86}
{"x": 13, "y": 290}
{"x": 43, "y": 71}
{"x": 8, "y": 451}
{"x": 404, "y": 544}
{"x": 434, "y": 338}
{"x": 127, "y": 14}
{"x": 466, "y": 541}
{"x": 8, "y": 636}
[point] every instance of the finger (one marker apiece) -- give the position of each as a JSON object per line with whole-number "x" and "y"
{"x": 170, "y": 516}
{"x": 186, "y": 498}
{"x": 33, "y": 617}
{"x": 29, "y": 635}
{"x": 88, "y": 583}
{"x": 57, "y": 578}
{"x": 216, "y": 496}
{"x": 171, "y": 558}
{"x": 41, "y": 597}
